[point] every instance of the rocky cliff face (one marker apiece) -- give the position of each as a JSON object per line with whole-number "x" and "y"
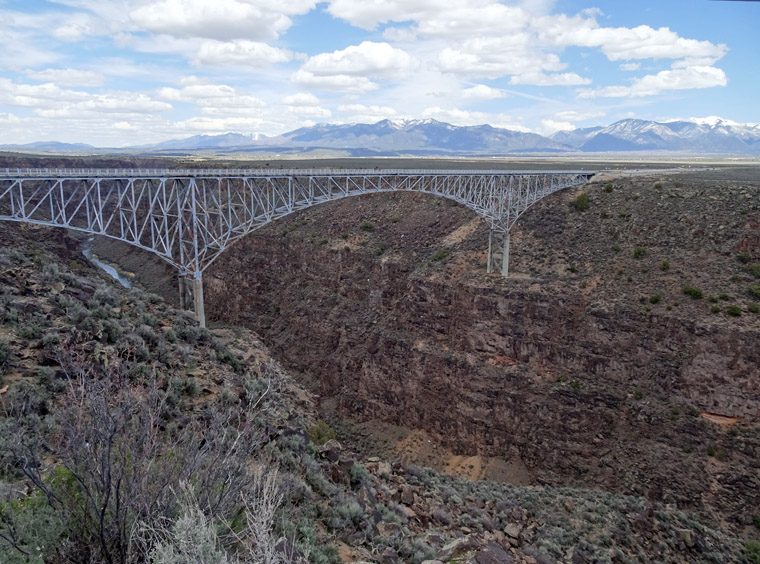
{"x": 590, "y": 366}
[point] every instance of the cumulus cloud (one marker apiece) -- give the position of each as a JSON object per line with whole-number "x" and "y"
{"x": 337, "y": 83}
{"x": 366, "y": 59}
{"x": 456, "y": 116}
{"x": 67, "y": 77}
{"x": 630, "y": 66}
{"x": 483, "y": 92}
{"x": 494, "y": 57}
{"x": 213, "y": 99}
{"x": 240, "y": 52}
{"x": 258, "y": 20}
{"x": 653, "y": 84}
{"x": 549, "y": 126}
{"x": 622, "y": 43}
{"x": 360, "y": 113}
{"x": 306, "y": 105}
{"x": 217, "y": 125}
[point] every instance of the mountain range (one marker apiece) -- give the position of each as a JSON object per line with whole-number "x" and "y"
{"x": 711, "y": 135}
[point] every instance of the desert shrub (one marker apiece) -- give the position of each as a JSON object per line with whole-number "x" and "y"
{"x": 608, "y": 187}
{"x": 715, "y": 309}
{"x": 655, "y": 299}
{"x": 753, "y": 307}
{"x": 117, "y": 474}
{"x": 320, "y": 432}
{"x": 743, "y": 257}
{"x": 752, "y": 552}
{"x": 754, "y": 291}
{"x": 734, "y": 310}
{"x": 639, "y": 252}
{"x": 664, "y": 266}
{"x": 30, "y": 530}
{"x": 581, "y": 202}
{"x": 754, "y": 269}
{"x": 692, "y": 292}
{"x": 440, "y": 254}
{"x": 616, "y": 248}
{"x": 367, "y": 226}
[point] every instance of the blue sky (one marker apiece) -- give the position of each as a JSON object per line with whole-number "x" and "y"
{"x": 127, "y": 72}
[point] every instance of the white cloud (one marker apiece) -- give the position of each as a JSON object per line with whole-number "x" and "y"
{"x": 9, "y": 118}
{"x": 240, "y": 52}
{"x": 573, "y": 115}
{"x": 67, "y": 77}
{"x": 494, "y": 57}
{"x": 218, "y": 125}
{"x": 213, "y": 99}
{"x": 368, "y": 15}
{"x": 359, "y": 113}
{"x": 456, "y": 116}
{"x": 338, "y": 82}
{"x": 75, "y": 27}
{"x": 622, "y": 43}
{"x": 483, "y": 92}
{"x": 258, "y": 20}
{"x": 653, "y": 84}
{"x": 366, "y": 59}
{"x": 306, "y": 105}
{"x": 301, "y": 99}
{"x": 630, "y": 66}
{"x": 555, "y": 79}
{"x": 116, "y": 103}
{"x": 549, "y": 126}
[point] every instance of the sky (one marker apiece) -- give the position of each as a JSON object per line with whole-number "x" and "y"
{"x": 114, "y": 73}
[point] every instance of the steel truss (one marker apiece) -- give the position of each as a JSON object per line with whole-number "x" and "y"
{"x": 189, "y": 217}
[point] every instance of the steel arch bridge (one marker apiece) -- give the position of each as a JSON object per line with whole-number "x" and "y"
{"x": 189, "y": 217}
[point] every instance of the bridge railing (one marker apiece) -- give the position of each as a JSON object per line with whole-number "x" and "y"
{"x": 226, "y": 173}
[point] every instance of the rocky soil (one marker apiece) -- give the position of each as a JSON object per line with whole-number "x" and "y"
{"x": 595, "y": 364}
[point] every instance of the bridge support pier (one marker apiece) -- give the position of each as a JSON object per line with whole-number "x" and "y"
{"x": 183, "y": 293}
{"x": 200, "y": 311}
{"x": 498, "y": 249}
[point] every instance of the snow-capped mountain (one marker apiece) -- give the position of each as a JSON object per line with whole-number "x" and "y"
{"x": 695, "y": 135}
{"x": 430, "y": 137}
{"x": 426, "y": 136}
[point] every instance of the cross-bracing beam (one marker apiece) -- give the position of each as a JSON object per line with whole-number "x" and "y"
{"x": 189, "y": 217}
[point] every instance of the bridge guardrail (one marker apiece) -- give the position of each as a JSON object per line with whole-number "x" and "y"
{"x": 195, "y": 173}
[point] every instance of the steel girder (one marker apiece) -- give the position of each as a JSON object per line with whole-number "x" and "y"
{"x": 189, "y": 217}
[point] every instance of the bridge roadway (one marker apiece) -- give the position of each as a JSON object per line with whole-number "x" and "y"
{"x": 188, "y": 217}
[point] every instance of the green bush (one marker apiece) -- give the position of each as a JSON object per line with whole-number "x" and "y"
{"x": 743, "y": 257}
{"x": 753, "y": 307}
{"x": 639, "y": 252}
{"x": 608, "y": 187}
{"x": 581, "y": 202}
{"x": 664, "y": 266}
{"x": 440, "y": 255}
{"x": 754, "y": 291}
{"x": 754, "y": 268}
{"x": 655, "y": 299}
{"x": 752, "y": 552}
{"x": 320, "y": 432}
{"x": 367, "y": 226}
{"x": 693, "y": 293}
{"x": 734, "y": 310}
{"x": 616, "y": 248}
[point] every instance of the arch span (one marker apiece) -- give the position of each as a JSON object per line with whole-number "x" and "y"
{"x": 189, "y": 217}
